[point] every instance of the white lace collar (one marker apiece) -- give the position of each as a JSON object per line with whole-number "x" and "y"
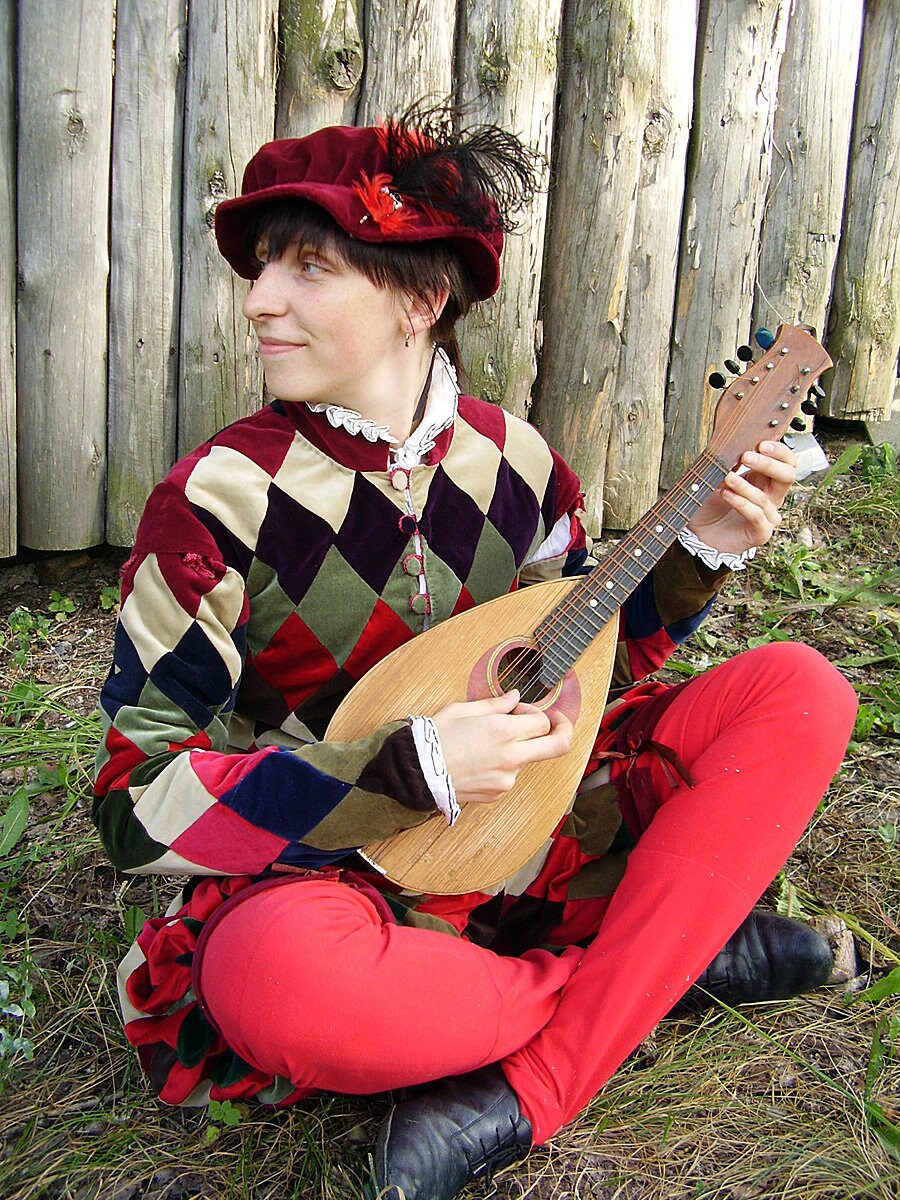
{"x": 440, "y": 413}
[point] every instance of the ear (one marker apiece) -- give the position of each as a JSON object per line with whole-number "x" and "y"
{"x": 421, "y": 313}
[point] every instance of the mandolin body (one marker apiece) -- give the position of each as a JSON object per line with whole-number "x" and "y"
{"x": 453, "y": 661}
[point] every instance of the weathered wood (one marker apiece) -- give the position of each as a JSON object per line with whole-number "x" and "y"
{"x": 636, "y": 427}
{"x": 65, "y": 58}
{"x": 230, "y": 108}
{"x": 606, "y": 76}
{"x": 865, "y": 317}
{"x": 321, "y": 65}
{"x": 409, "y": 56}
{"x": 8, "y": 540}
{"x": 145, "y": 256}
{"x": 802, "y": 222}
{"x": 508, "y": 76}
{"x": 741, "y": 44}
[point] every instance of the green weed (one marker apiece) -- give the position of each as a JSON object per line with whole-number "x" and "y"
{"x": 24, "y": 629}
{"x": 61, "y": 606}
{"x": 223, "y": 1112}
{"x": 109, "y": 597}
{"x": 16, "y": 1011}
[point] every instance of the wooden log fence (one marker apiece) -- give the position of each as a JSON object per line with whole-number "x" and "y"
{"x": 64, "y": 102}
{"x": 8, "y": 512}
{"x": 865, "y": 315}
{"x": 711, "y": 166}
{"x": 145, "y": 257}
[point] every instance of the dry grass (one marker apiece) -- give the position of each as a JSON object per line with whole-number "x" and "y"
{"x": 797, "y": 1101}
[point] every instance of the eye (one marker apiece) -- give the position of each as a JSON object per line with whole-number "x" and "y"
{"x": 310, "y": 263}
{"x": 260, "y": 255}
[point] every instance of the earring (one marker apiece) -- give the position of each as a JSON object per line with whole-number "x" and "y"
{"x": 406, "y": 341}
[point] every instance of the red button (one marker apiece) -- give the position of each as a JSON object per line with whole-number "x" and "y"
{"x": 407, "y": 524}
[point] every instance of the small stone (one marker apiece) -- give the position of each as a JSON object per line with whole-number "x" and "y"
{"x": 843, "y": 947}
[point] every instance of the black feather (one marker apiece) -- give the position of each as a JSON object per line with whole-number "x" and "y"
{"x": 481, "y": 175}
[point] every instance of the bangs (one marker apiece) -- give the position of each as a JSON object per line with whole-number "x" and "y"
{"x": 281, "y": 224}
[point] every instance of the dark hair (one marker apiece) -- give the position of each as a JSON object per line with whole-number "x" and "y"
{"x": 420, "y": 269}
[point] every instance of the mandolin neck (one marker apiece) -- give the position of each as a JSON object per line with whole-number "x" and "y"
{"x": 567, "y": 631}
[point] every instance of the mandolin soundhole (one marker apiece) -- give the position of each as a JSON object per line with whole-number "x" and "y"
{"x": 519, "y": 666}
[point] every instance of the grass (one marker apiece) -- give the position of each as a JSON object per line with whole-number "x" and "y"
{"x": 798, "y": 1100}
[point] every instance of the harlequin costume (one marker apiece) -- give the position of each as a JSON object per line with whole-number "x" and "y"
{"x": 272, "y": 568}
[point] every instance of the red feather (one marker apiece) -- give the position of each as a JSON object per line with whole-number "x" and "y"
{"x": 382, "y": 203}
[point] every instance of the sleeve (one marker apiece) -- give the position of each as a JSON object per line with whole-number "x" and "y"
{"x": 169, "y": 797}
{"x": 564, "y": 550}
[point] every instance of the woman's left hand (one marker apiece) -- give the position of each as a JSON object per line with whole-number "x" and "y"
{"x": 744, "y": 511}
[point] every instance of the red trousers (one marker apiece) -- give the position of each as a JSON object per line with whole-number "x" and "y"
{"x": 307, "y": 981}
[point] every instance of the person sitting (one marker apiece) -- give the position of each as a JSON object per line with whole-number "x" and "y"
{"x": 367, "y": 501}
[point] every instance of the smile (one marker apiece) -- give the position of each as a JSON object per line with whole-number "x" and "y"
{"x": 270, "y": 348}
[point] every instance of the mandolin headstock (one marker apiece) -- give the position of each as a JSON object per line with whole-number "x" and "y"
{"x": 762, "y": 402}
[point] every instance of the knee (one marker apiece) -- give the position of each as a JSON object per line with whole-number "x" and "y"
{"x": 283, "y": 936}
{"x": 806, "y": 681}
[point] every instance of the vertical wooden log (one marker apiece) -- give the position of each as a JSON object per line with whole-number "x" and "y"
{"x": 230, "y": 112}
{"x": 805, "y": 203}
{"x": 741, "y": 45}
{"x": 605, "y": 86}
{"x": 508, "y": 76}
{"x": 865, "y": 319}
{"x": 636, "y": 430}
{"x": 8, "y": 539}
{"x": 409, "y": 56}
{"x": 145, "y": 256}
{"x": 65, "y": 107}
{"x": 321, "y": 65}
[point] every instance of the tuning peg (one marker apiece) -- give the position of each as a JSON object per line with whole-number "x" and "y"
{"x": 745, "y": 354}
{"x": 811, "y": 404}
{"x": 799, "y": 424}
{"x": 732, "y": 366}
{"x": 717, "y": 380}
{"x": 764, "y": 339}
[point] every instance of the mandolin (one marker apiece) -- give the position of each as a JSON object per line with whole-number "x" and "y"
{"x": 556, "y": 643}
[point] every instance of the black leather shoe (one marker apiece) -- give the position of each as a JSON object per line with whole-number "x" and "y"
{"x": 768, "y": 958}
{"x": 456, "y": 1132}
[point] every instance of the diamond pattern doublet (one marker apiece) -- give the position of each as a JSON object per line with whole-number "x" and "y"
{"x": 289, "y": 523}
{"x": 514, "y": 510}
{"x": 451, "y": 524}
{"x": 369, "y": 538}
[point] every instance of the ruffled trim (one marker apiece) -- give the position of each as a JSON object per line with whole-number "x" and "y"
{"x": 440, "y": 413}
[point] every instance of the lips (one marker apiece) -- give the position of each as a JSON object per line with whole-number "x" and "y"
{"x": 273, "y": 348}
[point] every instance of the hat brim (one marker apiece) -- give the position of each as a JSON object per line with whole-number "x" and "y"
{"x": 480, "y": 252}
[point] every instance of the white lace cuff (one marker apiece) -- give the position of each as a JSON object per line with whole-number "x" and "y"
{"x": 714, "y": 559}
{"x": 431, "y": 760}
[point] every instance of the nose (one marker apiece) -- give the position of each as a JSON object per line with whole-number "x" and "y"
{"x": 266, "y": 297}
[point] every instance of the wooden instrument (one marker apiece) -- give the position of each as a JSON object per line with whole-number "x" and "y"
{"x": 556, "y": 642}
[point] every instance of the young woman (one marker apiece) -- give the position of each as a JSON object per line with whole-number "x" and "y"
{"x": 282, "y": 559}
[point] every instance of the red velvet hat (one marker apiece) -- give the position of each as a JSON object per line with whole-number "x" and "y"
{"x": 357, "y": 176}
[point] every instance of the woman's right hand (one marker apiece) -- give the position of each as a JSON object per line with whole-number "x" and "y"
{"x": 485, "y": 743}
